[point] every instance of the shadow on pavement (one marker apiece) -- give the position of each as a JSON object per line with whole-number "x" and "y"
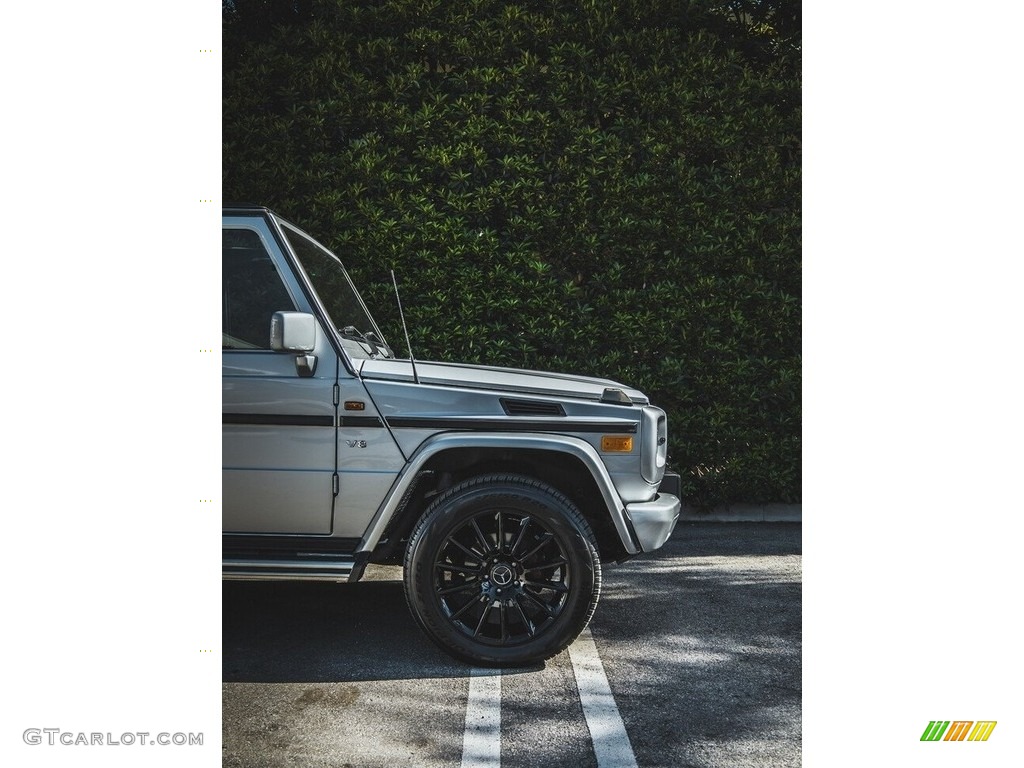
{"x": 278, "y": 632}
{"x": 708, "y": 631}
{"x": 692, "y": 617}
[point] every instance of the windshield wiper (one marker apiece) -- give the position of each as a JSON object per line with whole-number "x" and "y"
{"x": 369, "y": 338}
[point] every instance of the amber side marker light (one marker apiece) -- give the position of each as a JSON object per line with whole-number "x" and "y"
{"x": 616, "y": 444}
{"x": 355, "y": 405}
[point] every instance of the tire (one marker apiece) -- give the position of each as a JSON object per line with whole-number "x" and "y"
{"x": 502, "y": 570}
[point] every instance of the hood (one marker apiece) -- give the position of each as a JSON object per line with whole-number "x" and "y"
{"x": 502, "y": 379}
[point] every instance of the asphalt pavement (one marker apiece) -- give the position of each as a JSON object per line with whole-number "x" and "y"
{"x": 697, "y": 645}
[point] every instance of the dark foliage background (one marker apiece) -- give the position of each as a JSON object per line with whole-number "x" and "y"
{"x": 607, "y": 187}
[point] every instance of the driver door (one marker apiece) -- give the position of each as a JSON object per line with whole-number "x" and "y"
{"x": 279, "y": 424}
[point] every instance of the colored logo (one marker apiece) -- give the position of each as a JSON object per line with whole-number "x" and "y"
{"x": 958, "y": 730}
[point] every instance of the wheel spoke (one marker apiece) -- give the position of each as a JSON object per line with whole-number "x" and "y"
{"x": 480, "y": 536}
{"x": 547, "y": 537}
{"x": 483, "y": 618}
{"x": 471, "y": 552}
{"x": 501, "y": 535}
{"x": 462, "y": 610}
{"x": 504, "y": 625}
{"x": 559, "y": 587}
{"x": 458, "y": 588}
{"x": 523, "y": 525}
{"x": 543, "y": 606}
{"x": 458, "y": 569}
{"x": 546, "y": 566}
{"x": 530, "y": 629}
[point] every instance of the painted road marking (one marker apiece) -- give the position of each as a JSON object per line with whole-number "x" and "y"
{"x": 481, "y": 742}
{"x": 611, "y": 744}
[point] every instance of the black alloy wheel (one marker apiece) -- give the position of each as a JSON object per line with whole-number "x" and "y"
{"x": 502, "y": 570}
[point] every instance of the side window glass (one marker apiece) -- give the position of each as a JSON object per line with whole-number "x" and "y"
{"x": 252, "y": 291}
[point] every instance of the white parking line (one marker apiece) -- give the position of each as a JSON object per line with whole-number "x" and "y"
{"x": 481, "y": 742}
{"x": 611, "y": 744}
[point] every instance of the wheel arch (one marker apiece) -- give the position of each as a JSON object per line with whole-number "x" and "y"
{"x": 569, "y": 465}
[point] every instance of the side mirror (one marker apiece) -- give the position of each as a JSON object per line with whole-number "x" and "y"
{"x": 292, "y": 332}
{"x": 295, "y": 332}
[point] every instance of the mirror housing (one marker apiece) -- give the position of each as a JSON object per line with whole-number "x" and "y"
{"x": 293, "y": 332}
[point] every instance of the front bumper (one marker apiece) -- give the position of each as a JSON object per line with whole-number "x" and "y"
{"x": 654, "y": 520}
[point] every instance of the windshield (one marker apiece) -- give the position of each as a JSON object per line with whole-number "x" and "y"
{"x": 345, "y": 309}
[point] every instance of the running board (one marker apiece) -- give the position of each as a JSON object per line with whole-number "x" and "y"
{"x": 319, "y": 569}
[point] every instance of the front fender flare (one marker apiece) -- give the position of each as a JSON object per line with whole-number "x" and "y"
{"x": 573, "y": 446}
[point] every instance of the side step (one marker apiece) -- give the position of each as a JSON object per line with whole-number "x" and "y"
{"x": 291, "y": 558}
{"x": 319, "y": 569}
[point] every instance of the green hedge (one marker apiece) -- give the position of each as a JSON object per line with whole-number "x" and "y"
{"x": 609, "y": 188}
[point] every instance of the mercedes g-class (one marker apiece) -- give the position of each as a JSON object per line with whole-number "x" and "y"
{"x": 500, "y": 491}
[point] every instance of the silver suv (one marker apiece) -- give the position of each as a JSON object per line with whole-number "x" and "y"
{"x": 500, "y": 491}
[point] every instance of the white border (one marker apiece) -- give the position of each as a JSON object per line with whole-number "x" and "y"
{"x": 912, "y": 324}
{"x": 111, "y": 487}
